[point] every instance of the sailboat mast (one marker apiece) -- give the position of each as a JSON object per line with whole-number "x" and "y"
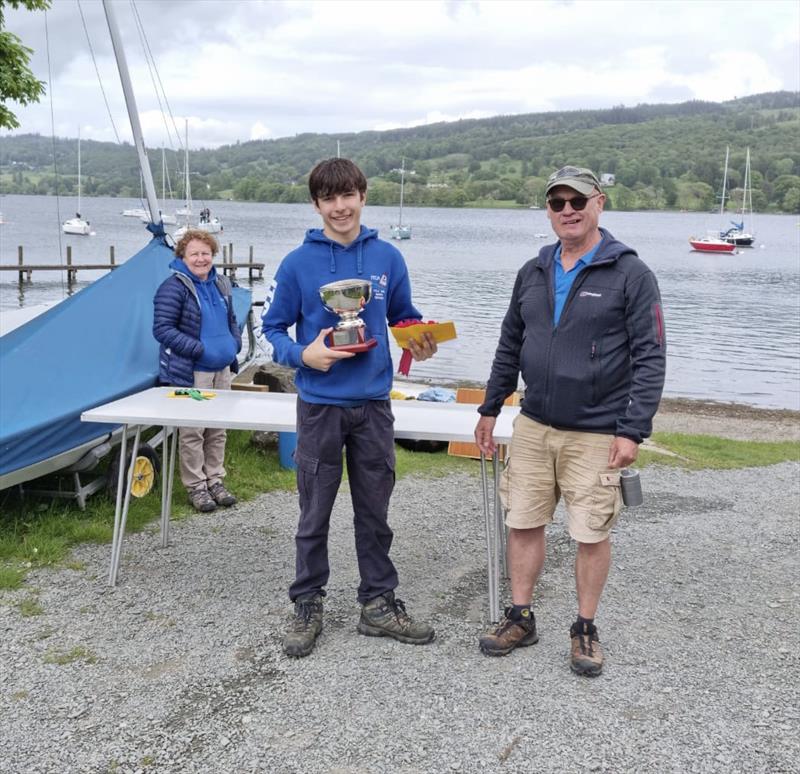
{"x": 724, "y": 182}
{"x": 187, "y": 190}
{"x": 79, "y": 171}
{"x": 402, "y": 186}
{"x": 747, "y": 196}
{"x": 133, "y": 113}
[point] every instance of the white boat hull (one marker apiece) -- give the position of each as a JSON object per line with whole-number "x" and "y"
{"x": 400, "y": 232}
{"x": 77, "y": 226}
{"x": 214, "y": 226}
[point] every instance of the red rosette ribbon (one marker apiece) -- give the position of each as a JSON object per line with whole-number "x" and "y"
{"x": 405, "y": 359}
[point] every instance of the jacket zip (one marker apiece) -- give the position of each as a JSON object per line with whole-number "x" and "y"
{"x": 576, "y": 285}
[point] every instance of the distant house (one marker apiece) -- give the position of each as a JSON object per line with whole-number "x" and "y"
{"x": 607, "y": 179}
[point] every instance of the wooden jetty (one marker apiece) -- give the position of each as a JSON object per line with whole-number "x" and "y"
{"x": 25, "y": 270}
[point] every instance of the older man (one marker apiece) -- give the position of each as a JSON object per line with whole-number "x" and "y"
{"x": 585, "y": 330}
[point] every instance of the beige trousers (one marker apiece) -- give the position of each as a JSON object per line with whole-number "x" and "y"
{"x": 203, "y": 448}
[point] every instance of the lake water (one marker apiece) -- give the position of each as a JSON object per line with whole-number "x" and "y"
{"x": 733, "y": 321}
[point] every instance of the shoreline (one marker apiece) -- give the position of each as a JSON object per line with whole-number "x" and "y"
{"x": 692, "y": 416}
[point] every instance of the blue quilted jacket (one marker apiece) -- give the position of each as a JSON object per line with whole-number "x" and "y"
{"x": 177, "y": 323}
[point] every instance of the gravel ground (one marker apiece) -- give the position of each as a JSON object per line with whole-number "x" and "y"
{"x": 180, "y": 669}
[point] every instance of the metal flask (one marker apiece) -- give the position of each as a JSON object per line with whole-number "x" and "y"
{"x": 631, "y": 486}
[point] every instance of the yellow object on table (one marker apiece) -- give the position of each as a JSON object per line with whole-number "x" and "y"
{"x": 443, "y": 331}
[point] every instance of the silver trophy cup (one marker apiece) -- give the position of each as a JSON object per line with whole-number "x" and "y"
{"x": 346, "y": 298}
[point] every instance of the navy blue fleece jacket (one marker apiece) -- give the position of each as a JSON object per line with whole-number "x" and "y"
{"x": 195, "y": 324}
{"x": 601, "y": 369}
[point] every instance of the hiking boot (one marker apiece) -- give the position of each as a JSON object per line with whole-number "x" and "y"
{"x": 221, "y": 495}
{"x": 385, "y": 616}
{"x": 201, "y": 500}
{"x": 587, "y": 655}
{"x": 305, "y": 627}
{"x": 516, "y": 630}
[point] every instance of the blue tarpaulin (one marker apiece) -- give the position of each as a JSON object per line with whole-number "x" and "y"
{"x": 91, "y": 348}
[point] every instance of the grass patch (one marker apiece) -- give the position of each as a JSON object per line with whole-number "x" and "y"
{"x": 698, "y": 452}
{"x": 11, "y": 577}
{"x": 78, "y": 653}
{"x": 29, "y": 607}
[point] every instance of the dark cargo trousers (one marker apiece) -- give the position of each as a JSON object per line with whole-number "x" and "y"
{"x": 367, "y": 435}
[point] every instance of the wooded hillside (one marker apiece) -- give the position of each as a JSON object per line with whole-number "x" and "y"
{"x": 662, "y": 157}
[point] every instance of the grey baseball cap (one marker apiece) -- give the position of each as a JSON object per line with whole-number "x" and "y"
{"x": 580, "y": 179}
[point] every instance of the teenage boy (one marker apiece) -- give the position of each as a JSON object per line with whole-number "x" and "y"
{"x": 343, "y": 403}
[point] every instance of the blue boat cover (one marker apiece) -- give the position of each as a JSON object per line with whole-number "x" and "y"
{"x": 92, "y": 348}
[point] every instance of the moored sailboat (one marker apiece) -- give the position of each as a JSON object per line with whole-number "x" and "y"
{"x": 166, "y": 218}
{"x": 212, "y": 225}
{"x": 737, "y": 235}
{"x": 401, "y": 230}
{"x": 713, "y": 243}
{"x": 78, "y": 225}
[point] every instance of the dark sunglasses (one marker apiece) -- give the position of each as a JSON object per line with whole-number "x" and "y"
{"x": 578, "y": 203}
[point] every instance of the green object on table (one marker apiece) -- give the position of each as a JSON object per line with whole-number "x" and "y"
{"x": 192, "y": 392}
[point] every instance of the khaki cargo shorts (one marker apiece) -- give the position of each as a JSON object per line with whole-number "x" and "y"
{"x": 544, "y": 464}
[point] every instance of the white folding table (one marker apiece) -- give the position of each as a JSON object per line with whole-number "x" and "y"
{"x": 276, "y": 412}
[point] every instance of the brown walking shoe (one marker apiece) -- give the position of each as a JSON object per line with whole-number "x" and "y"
{"x": 306, "y": 626}
{"x": 514, "y": 631}
{"x": 586, "y": 654}
{"x": 221, "y": 495}
{"x": 201, "y": 500}
{"x": 385, "y": 616}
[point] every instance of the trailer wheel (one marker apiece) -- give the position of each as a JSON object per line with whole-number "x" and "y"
{"x": 145, "y": 472}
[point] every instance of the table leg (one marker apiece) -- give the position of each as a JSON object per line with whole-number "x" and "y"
{"x": 500, "y": 516}
{"x": 499, "y": 529}
{"x": 116, "y": 550}
{"x": 492, "y": 555}
{"x": 167, "y": 477}
{"x": 118, "y": 508}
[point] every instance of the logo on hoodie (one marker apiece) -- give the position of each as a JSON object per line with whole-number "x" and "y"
{"x": 379, "y": 286}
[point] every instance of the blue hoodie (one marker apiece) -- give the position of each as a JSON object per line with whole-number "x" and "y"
{"x": 293, "y": 299}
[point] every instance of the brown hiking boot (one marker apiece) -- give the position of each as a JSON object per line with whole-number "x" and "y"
{"x": 587, "y": 655}
{"x": 305, "y": 627}
{"x": 514, "y": 631}
{"x": 201, "y": 500}
{"x": 221, "y": 495}
{"x": 385, "y": 616}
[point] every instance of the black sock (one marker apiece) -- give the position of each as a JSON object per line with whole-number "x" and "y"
{"x": 517, "y": 610}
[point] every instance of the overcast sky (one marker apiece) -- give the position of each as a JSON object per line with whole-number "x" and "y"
{"x": 247, "y": 69}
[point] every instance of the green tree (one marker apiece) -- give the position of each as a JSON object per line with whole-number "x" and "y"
{"x": 791, "y": 201}
{"x": 17, "y": 81}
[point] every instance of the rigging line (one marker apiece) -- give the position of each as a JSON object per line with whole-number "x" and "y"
{"x": 159, "y": 89}
{"x": 55, "y": 162}
{"x": 97, "y": 70}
